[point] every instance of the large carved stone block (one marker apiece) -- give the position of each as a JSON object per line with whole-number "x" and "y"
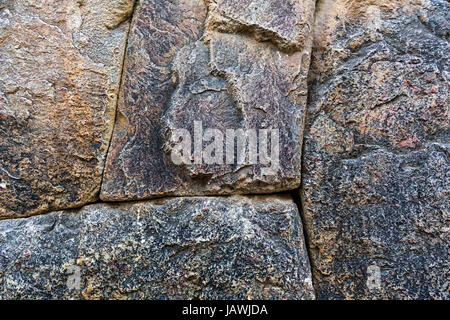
{"x": 376, "y": 181}
{"x": 208, "y": 68}
{"x": 181, "y": 248}
{"x": 60, "y": 66}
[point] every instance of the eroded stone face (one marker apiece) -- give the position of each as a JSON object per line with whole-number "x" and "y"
{"x": 376, "y": 164}
{"x": 287, "y": 23}
{"x": 225, "y": 64}
{"x": 182, "y": 248}
{"x": 60, "y": 65}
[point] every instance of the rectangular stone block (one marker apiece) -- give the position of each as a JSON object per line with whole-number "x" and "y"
{"x": 181, "y": 248}
{"x": 200, "y": 79}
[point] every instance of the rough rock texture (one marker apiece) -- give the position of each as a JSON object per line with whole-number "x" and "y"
{"x": 287, "y": 23}
{"x": 60, "y": 66}
{"x": 231, "y": 65}
{"x": 376, "y": 181}
{"x": 178, "y": 248}
{"x": 91, "y": 107}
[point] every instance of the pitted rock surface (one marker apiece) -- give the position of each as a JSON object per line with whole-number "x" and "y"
{"x": 376, "y": 180}
{"x": 181, "y": 248}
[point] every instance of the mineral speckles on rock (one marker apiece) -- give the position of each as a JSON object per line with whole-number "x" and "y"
{"x": 59, "y": 75}
{"x": 376, "y": 171}
{"x": 376, "y": 164}
{"x": 184, "y": 65}
{"x": 183, "y": 248}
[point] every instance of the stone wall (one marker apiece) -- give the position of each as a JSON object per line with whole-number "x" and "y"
{"x": 349, "y": 201}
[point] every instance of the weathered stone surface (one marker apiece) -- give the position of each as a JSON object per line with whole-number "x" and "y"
{"x": 206, "y": 247}
{"x": 287, "y": 23}
{"x": 376, "y": 181}
{"x": 230, "y": 65}
{"x": 59, "y": 76}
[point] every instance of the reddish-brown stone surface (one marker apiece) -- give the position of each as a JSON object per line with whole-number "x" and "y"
{"x": 96, "y": 108}
{"x": 246, "y": 71}
{"x": 60, "y": 64}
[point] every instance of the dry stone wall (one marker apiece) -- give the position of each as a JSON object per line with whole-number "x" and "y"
{"x": 60, "y": 70}
{"x": 273, "y": 149}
